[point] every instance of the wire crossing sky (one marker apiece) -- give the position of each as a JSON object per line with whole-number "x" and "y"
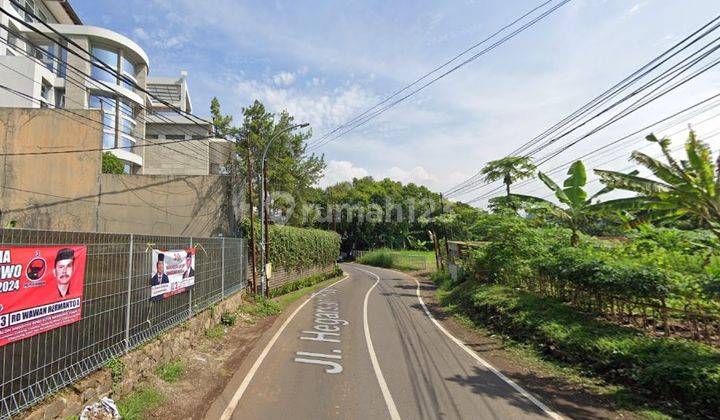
{"x": 331, "y": 62}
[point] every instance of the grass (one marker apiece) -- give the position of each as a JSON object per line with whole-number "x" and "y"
{"x": 215, "y": 332}
{"x": 171, "y": 371}
{"x": 304, "y": 283}
{"x": 676, "y": 373}
{"x": 399, "y": 259}
{"x": 261, "y": 307}
{"x": 136, "y": 405}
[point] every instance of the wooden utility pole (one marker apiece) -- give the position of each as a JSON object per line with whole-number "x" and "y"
{"x": 437, "y": 249}
{"x": 266, "y": 218}
{"x": 253, "y": 250}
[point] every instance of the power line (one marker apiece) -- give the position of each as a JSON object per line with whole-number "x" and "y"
{"x": 453, "y": 69}
{"x": 94, "y": 59}
{"x": 634, "y": 133}
{"x": 198, "y": 152}
{"x": 602, "y": 98}
{"x": 357, "y": 117}
{"x": 57, "y": 152}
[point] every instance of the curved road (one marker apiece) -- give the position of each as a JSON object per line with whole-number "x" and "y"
{"x": 366, "y": 347}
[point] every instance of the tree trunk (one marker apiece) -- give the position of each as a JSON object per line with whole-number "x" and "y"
{"x": 575, "y": 239}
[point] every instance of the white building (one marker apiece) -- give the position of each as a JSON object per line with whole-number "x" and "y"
{"x": 44, "y": 74}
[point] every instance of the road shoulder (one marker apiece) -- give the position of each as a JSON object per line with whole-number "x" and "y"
{"x": 571, "y": 396}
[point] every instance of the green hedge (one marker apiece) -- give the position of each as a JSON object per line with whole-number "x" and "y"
{"x": 293, "y": 248}
{"x": 659, "y": 368}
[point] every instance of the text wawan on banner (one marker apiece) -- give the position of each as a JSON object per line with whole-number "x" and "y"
{"x": 41, "y": 288}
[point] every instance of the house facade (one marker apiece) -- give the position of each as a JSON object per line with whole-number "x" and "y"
{"x": 42, "y": 70}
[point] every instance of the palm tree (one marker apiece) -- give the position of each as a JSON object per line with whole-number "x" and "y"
{"x": 573, "y": 194}
{"x": 687, "y": 188}
{"x": 508, "y": 169}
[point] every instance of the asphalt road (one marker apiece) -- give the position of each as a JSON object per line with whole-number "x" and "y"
{"x": 366, "y": 348}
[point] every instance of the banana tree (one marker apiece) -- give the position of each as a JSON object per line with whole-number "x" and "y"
{"x": 688, "y": 188}
{"x": 572, "y": 194}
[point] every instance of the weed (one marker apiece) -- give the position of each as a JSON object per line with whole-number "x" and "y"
{"x": 137, "y": 404}
{"x": 117, "y": 368}
{"x": 216, "y": 332}
{"x": 171, "y": 371}
{"x": 228, "y": 318}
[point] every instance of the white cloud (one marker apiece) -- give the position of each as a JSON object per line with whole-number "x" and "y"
{"x": 339, "y": 171}
{"x": 284, "y": 78}
{"x": 417, "y": 175}
{"x": 322, "y": 110}
{"x": 140, "y": 33}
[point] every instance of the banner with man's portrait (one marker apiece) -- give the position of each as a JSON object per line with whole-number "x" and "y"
{"x": 41, "y": 288}
{"x": 173, "y": 272}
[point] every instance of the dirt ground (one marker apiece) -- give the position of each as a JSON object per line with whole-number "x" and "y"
{"x": 208, "y": 367}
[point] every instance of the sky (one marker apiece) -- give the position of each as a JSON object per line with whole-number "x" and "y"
{"x": 326, "y": 62}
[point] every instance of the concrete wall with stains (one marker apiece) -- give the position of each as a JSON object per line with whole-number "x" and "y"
{"x": 67, "y": 191}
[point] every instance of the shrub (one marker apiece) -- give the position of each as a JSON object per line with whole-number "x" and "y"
{"x": 660, "y": 367}
{"x": 294, "y": 249}
{"x": 228, "y": 318}
{"x": 111, "y": 164}
{"x": 377, "y": 258}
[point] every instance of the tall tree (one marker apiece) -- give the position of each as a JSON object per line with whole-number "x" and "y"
{"x": 508, "y": 169}
{"x": 572, "y": 194}
{"x": 290, "y": 171}
{"x": 688, "y": 188}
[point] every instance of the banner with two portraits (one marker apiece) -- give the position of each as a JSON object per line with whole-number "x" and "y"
{"x": 173, "y": 272}
{"x": 41, "y": 288}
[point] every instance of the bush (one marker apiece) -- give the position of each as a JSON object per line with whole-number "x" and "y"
{"x": 662, "y": 368}
{"x": 294, "y": 249}
{"x": 111, "y": 164}
{"x": 378, "y": 258}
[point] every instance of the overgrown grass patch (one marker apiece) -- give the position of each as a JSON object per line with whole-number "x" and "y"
{"x": 399, "y": 259}
{"x": 136, "y": 405}
{"x": 215, "y": 332}
{"x": 661, "y": 369}
{"x": 261, "y": 307}
{"x": 304, "y": 283}
{"x": 171, "y": 371}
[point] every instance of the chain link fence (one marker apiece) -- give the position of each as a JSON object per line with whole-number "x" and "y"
{"x": 117, "y": 313}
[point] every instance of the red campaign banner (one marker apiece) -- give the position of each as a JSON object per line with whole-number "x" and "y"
{"x": 41, "y": 288}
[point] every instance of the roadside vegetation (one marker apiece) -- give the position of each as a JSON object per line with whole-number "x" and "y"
{"x": 399, "y": 259}
{"x": 627, "y": 290}
{"x": 137, "y": 405}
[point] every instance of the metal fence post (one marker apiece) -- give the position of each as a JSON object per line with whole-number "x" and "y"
{"x": 190, "y": 311}
{"x": 222, "y": 269}
{"x": 129, "y": 293}
{"x": 243, "y": 267}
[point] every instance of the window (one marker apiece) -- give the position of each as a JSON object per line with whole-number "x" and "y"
{"x": 107, "y": 57}
{"x": 128, "y": 70}
{"x": 108, "y": 105}
{"x": 174, "y": 137}
{"x": 30, "y": 6}
{"x": 59, "y": 98}
{"x": 46, "y": 54}
{"x": 46, "y": 93}
{"x": 152, "y": 137}
{"x": 108, "y": 140}
{"x": 126, "y": 126}
{"x": 126, "y": 143}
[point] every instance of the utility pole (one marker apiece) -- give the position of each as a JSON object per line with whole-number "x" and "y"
{"x": 263, "y": 233}
{"x": 266, "y": 213}
{"x": 253, "y": 257}
{"x": 445, "y": 231}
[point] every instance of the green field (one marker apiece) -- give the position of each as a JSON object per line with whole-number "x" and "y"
{"x": 399, "y": 259}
